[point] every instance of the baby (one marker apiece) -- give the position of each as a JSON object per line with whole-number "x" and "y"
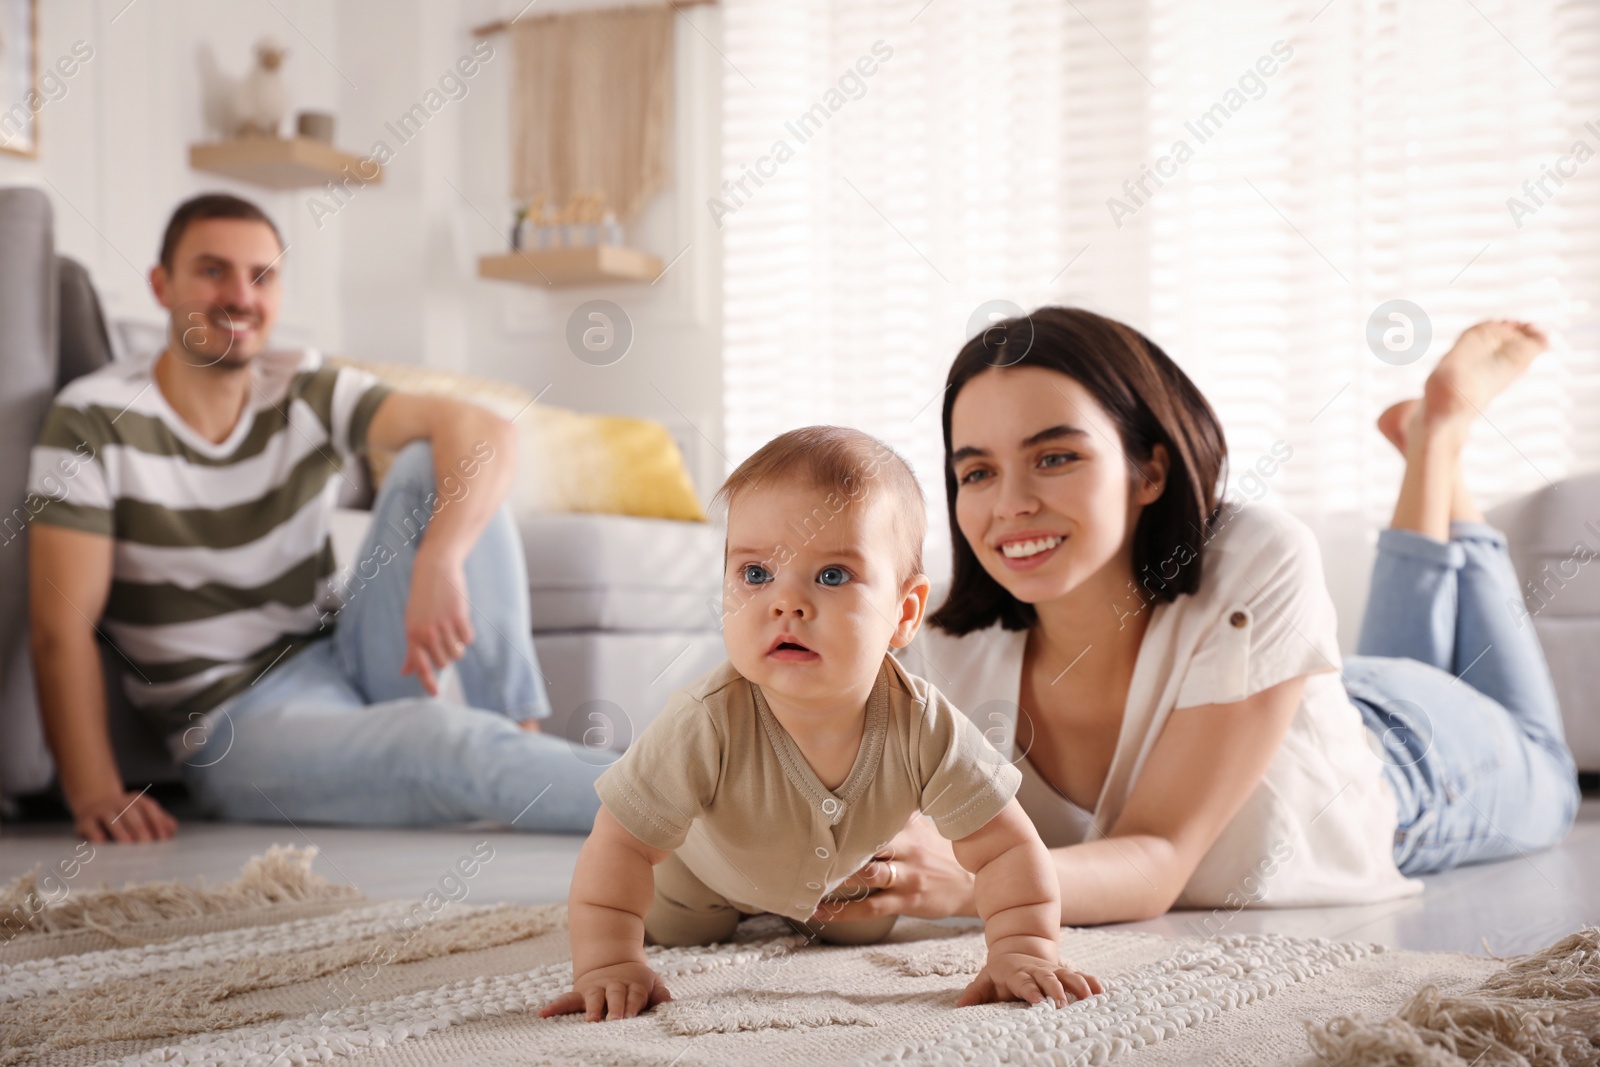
{"x": 766, "y": 784}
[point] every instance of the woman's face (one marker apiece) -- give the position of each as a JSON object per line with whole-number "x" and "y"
{"x": 1045, "y": 495}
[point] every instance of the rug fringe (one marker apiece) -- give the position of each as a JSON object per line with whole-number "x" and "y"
{"x": 282, "y": 875}
{"x": 1543, "y": 1008}
{"x": 1567, "y": 970}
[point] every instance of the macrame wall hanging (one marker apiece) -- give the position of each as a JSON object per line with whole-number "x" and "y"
{"x": 591, "y": 107}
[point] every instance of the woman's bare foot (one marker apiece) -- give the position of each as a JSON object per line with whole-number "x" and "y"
{"x": 1484, "y": 360}
{"x": 1431, "y": 433}
{"x": 1396, "y": 422}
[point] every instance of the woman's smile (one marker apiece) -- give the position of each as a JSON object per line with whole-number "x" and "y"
{"x": 1029, "y": 553}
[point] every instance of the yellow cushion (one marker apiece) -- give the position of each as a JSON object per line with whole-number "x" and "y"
{"x": 569, "y": 461}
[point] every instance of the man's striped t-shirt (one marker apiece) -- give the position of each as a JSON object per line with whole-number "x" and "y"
{"x": 223, "y": 561}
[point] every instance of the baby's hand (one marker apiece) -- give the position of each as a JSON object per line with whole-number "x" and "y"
{"x": 619, "y": 991}
{"x": 1023, "y": 976}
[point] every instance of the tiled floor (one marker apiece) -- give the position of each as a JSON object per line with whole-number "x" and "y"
{"x": 1501, "y": 908}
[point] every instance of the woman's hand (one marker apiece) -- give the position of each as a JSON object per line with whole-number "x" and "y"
{"x": 916, "y": 874}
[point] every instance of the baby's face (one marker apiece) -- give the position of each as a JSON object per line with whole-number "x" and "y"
{"x": 811, "y": 599}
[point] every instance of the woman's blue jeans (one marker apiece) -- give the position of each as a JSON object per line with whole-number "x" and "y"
{"x": 1450, "y": 677}
{"x": 335, "y": 733}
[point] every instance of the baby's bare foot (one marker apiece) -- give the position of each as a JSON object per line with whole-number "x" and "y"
{"x": 1484, "y": 360}
{"x": 1396, "y": 422}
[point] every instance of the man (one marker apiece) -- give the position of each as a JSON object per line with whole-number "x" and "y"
{"x": 182, "y": 508}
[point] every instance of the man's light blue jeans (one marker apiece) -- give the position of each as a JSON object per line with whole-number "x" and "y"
{"x": 335, "y": 733}
{"x": 1451, "y": 679}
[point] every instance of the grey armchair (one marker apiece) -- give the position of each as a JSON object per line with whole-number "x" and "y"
{"x": 53, "y": 332}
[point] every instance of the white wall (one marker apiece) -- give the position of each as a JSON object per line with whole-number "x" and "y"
{"x": 114, "y": 149}
{"x": 410, "y": 246}
{"x": 392, "y": 275}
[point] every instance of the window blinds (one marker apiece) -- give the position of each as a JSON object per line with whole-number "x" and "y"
{"x": 1339, "y": 156}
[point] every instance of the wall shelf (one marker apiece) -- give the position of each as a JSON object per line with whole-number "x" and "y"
{"x": 282, "y": 163}
{"x": 593, "y": 265}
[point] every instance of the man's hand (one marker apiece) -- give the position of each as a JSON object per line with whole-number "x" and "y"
{"x": 474, "y": 465}
{"x": 1028, "y": 975}
{"x": 619, "y": 991}
{"x": 438, "y": 618}
{"x": 123, "y": 817}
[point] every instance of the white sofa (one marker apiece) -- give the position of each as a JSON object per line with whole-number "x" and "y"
{"x": 625, "y": 610}
{"x": 1554, "y": 533}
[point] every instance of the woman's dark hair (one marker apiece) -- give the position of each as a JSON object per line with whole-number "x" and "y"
{"x": 1151, "y": 402}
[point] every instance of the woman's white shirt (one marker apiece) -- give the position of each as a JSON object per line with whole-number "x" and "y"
{"x": 1319, "y": 829}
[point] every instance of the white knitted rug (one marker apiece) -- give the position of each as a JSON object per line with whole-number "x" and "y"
{"x": 282, "y": 968}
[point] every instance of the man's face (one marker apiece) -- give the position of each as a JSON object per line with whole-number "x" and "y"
{"x": 223, "y": 292}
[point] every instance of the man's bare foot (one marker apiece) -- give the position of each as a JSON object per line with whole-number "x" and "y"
{"x": 1484, "y": 360}
{"x": 1396, "y": 422}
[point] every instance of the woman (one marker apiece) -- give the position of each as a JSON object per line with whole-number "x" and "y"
{"x": 1164, "y": 670}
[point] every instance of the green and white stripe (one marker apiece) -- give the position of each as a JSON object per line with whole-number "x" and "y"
{"x": 223, "y": 564}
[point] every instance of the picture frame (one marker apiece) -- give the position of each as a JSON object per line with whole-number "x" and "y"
{"x": 19, "y": 78}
